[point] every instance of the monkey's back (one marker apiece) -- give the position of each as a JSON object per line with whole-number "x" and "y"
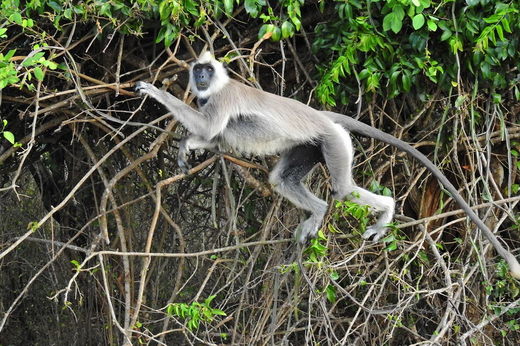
{"x": 269, "y": 123}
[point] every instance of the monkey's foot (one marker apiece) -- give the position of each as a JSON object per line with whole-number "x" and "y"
{"x": 301, "y": 235}
{"x": 307, "y": 229}
{"x": 375, "y": 232}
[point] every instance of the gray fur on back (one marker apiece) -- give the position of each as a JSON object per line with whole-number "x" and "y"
{"x": 253, "y": 121}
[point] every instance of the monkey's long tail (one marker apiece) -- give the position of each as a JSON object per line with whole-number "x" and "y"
{"x": 358, "y": 127}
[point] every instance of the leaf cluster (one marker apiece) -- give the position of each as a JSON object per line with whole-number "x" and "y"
{"x": 392, "y": 45}
{"x": 195, "y": 313}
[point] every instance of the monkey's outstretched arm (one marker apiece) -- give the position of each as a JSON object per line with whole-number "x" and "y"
{"x": 356, "y": 126}
{"x": 196, "y": 122}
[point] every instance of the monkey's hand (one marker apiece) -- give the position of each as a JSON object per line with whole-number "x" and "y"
{"x": 182, "y": 159}
{"x": 143, "y": 88}
{"x": 196, "y": 122}
{"x": 167, "y": 99}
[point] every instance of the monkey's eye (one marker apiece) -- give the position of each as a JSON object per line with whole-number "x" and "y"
{"x": 210, "y": 69}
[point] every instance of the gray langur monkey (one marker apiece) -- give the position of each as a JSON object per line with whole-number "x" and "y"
{"x": 253, "y": 121}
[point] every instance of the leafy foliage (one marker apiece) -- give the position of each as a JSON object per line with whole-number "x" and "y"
{"x": 195, "y": 313}
{"x": 317, "y": 249}
{"x": 128, "y": 17}
{"x": 390, "y": 45}
{"x": 8, "y": 135}
{"x": 360, "y": 213}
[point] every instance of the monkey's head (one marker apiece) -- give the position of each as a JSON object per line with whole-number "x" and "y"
{"x": 207, "y": 76}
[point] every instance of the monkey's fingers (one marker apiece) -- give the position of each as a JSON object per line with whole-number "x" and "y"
{"x": 143, "y": 88}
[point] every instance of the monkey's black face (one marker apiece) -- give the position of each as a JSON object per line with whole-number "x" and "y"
{"x": 202, "y": 75}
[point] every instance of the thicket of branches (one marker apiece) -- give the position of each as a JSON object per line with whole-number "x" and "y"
{"x": 208, "y": 257}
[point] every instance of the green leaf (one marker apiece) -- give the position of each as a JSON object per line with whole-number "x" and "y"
{"x": 407, "y": 81}
{"x": 399, "y": 12}
{"x": 393, "y": 78}
{"x": 9, "y": 54}
{"x": 493, "y": 19}
{"x": 505, "y": 25}
{"x": 38, "y": 73}
{"x": 387, "y": 21}
{"x": 228, "y": 7}
{"x": 208, "y": 300}
{"x": 418, "y": 21}
{"x": 455, "y": 44}
{"x": 396, "y": 24}
{"x": 331, "y": 293}
{"x": 29, "y": 23}
{"x": 32, "y": 60}
{"x": 251, "y": 8}
{"x": 287, "y": 29}
{"x": 218, "y": 312}
{"x": 55, "y": 6}
{"x": 392, "y": 22}
{"x": 68, "y": 13}
{"x": 9, "y": 136}
{"x": 191, "y": 7}
{"x": 297, "y": 23}
{"x": 334, "y": 275}
{"x": 392, "y": 246}
{"x": 500, "y": 33}
{"x": 425, "y": 3}
{"x": 207, "y": 315}
{"x": 277, "y": 34}
{"x": 51, "y": 64}
{"x": 264, "y": 29}
{"x": 373, "y": 82}
{"x": 16, "y": 17}
{"x": 446, "y": 35}
{"x": 432, "y": 26}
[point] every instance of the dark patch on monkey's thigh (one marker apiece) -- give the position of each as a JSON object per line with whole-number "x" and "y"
{"x": 301, "y": 159}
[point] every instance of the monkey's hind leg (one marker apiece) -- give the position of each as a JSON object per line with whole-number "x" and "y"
{"x": 287, "y": 177}
{"x": 338, "y": 153}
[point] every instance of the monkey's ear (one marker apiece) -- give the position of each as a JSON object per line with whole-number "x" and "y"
{"x": 225, "y": 65}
